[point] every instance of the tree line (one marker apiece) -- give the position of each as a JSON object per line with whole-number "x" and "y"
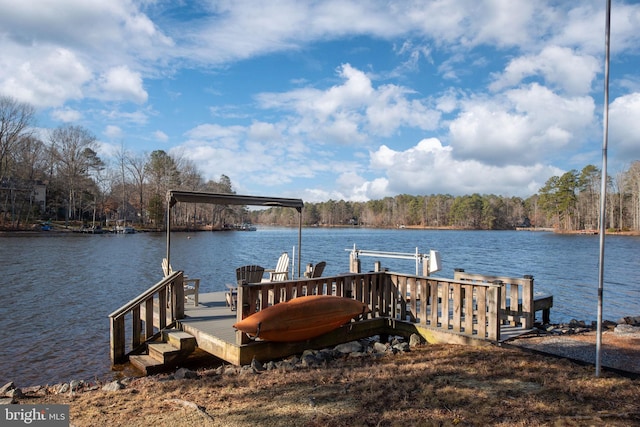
{"x": 569, "y": 202}
{"x": 83, "y": 188}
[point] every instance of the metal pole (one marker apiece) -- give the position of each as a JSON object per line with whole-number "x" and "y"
{"x": 168, "y": 226}
{"x": 603, "y": 189}
{"x": 299, "y": 242}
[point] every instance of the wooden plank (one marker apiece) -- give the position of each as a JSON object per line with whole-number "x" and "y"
{"x": 445, "y": 321}
{"x": 457, "y": 309}
{"x": 513, "y": 297}
{"x": 413, "y": 291}
{"x": 468, "y": 309}
{"x": 117, "y": 344}
{"x": 493, "y": 313}
{"x": 481, "y": 311}
{"x": 177, "y": 305}
{"x": 528, "y": 303}
{"x": 148, "y": 321}
{"x": 433, "y": 298}
{"x": 424, "y": 300}
{"x": 359, "y": 284}
{"x": 401, "y": 298}
{"x": 162, "y": 309}
{"x": 136, "y": 328}
{"x": 367, "y": 296}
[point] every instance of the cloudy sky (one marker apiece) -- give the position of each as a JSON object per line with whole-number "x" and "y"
{"x": 339, "y": 99}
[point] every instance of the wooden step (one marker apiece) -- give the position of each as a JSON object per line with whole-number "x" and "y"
{"x": 146, "y": 364}
{"x": 164, "y": 353}
{"x": 179, "y": 339}
{"x": 161, "y": 356}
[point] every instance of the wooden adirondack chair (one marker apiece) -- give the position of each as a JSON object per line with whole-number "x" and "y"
{"x": 191, "y": 286}
{"x": 314, "y": 271}
{"x": 281, "y": 272}
{"x": 244, "y": 274}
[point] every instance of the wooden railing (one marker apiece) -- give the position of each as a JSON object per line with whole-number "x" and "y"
{"x": 457, "y": 306}
{"x": 516, "y": 301}
{"x": 465, "y": 308}
{"x": 150, "y": 312}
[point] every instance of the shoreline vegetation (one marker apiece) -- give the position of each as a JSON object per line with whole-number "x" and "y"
{"x": 55, "y": 227}
{"x": 380, "y": 384}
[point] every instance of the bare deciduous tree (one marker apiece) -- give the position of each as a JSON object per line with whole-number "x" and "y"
{"x": 15, "y": 123}
{"x": 74, "y": 154}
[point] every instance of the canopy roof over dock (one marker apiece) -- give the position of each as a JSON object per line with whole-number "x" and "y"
{"x": 176, "y": 196}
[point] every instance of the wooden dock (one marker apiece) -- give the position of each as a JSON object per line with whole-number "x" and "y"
{"x": 211, "y": 323}
{"x": 470, "y": 309}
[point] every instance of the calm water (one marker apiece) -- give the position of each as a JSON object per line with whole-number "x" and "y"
{"x": 58, "y": 290}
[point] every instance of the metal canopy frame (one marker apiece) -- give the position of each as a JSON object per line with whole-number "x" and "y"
{"x": 176, "y": 196}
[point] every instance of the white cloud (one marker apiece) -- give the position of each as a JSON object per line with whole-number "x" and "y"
{"x": 431, "y": 168}
{"x": 391, "y": 109}
{"x": 161, "y": 136}
{"x": 121, "y": 84}
{"x": 215, "y": 135}
{"x": 47, "y": 80}
{"x": 350, "y": 112}
{"x": 559, "y": 67}
{"x": 136, "y": 117}
{"x": 263, "y": 131}
{"x": 66, "y": 115}
{"x": 525, "y": 126}
{"x": 112, "y": 131}
{"x": 53, "y": 52}
{"x": 502, "y": 22}
{"x": 116, "y": 30}
{"x": 624, "y": 127}
{"x": 109, "y": 150}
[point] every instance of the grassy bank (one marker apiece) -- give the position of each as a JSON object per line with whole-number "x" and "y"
{"x": 430, "y": 385}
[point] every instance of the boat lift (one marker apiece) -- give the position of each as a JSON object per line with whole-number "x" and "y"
{"x": 430, "y": 262}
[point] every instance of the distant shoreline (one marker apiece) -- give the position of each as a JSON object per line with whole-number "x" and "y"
{"x": 62, "y": 231}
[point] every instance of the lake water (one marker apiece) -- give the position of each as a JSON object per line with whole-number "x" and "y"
{"x": 58, "y": 289}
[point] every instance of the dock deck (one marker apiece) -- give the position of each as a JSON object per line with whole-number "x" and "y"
{"x": 212, "y": 316}
{"x": 211, "y": 322}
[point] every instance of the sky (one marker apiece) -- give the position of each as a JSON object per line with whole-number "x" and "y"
{"x": 336, "y": 99}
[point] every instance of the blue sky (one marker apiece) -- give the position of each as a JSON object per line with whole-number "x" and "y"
{"x": 352, "y": 100}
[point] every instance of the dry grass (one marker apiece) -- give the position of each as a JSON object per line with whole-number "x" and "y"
{"x": 432, "y": 385}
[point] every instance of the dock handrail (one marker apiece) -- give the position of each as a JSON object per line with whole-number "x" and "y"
{"x": 153, "y": 310}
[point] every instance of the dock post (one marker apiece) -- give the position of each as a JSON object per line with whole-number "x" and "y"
{"x": 354, "y": 263}
{"x": 528, "y": 302}
{"x": 242, "y": 311}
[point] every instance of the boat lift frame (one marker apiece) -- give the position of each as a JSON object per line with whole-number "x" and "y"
{"x": 431, "y": 262}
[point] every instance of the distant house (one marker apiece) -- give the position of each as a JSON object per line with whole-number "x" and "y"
{"x": 36, "y": 190}
{"x": 526, "y": 223}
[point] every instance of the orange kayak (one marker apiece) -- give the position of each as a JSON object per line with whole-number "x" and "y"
{"x": 301, "y": 318}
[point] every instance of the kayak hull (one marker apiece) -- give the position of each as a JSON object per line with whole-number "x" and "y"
{"x": 301, "y": 318}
